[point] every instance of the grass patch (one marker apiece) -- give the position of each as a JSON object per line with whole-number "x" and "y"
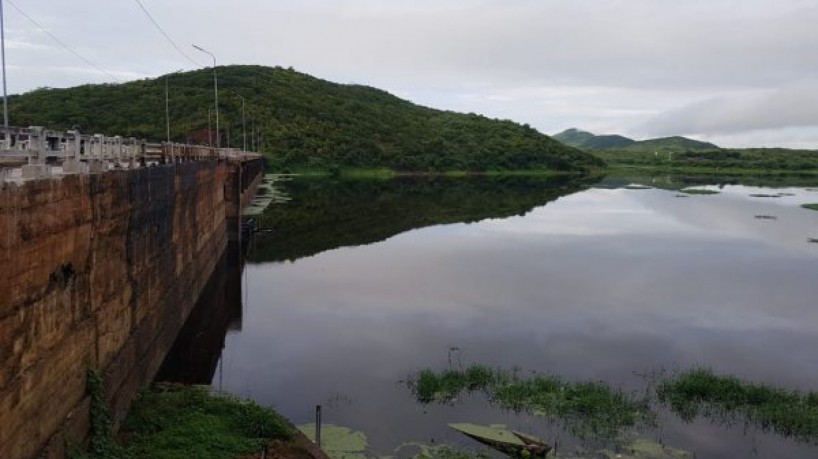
{"x": 813, "y": 206}
{"x": 699, "y": 191}
{"x": 588, "y": 408}
{"x": 171, "y": 421}
{"x": 700, "y": 391}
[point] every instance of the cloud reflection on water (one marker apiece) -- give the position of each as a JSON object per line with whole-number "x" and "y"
{"x": 596, "y": 285}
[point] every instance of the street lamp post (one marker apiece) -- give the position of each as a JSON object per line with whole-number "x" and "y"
{"x": 215, "y": 90}
{"x": 209, "y": 131}
{"x": 3, "y": 54}
{"x": 243, "y": 124}
{"x": 167, "y": 109}
{"x": 167, "y": 103}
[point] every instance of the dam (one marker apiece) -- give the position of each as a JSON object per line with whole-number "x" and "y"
{"x": 106, "y": 244}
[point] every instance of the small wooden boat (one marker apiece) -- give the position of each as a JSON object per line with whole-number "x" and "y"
{"x": 512, "y": 443}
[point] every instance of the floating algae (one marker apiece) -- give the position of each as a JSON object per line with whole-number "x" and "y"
{"x": 339, "y": 442}
{"x": 640, "y": 449}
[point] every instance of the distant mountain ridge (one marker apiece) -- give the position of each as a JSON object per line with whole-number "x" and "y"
{"x": 587, "y": 141}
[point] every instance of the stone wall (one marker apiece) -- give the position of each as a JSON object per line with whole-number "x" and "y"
{"x": 98, "y": 271}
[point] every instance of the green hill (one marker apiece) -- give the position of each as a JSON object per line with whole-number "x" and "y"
{"x": 587, "y": 141}
{"x": 723, "y": 160}
{"x": 671, "y": 144}
{"x": 304, "y": 122}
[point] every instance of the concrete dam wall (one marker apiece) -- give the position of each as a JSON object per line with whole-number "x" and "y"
{"x": 100, "y": 272}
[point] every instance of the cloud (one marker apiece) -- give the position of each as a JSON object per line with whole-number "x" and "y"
{"x": 792, "y": 106}
{"x": 605, "y": 65}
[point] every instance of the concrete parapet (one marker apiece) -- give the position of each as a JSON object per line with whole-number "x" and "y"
{"x": 99, "y": 271}
{"x": 36, "y": 171}
{"x": 96, "y": 166}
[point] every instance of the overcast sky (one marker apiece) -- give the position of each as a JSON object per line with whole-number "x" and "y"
{"x": 735, "y": 72}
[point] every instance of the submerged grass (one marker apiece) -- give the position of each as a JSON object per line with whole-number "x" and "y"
{"x": 596, "y": 410}
{"x": 445, "y": 386}
{"x": 813, "y": 206}
{"x": 701, "y": 392}
{"x": 588, "y": 408}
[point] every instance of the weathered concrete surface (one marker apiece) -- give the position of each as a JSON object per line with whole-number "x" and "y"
{"x": 99, "y": 271}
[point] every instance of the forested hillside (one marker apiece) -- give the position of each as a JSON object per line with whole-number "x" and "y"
{"x": 588, "y": 141}
{"x": 303, "y": 122}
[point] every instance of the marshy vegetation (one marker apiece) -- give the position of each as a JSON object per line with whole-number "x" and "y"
{"x": 589, "y": 409}
{"x": 701, "y": 392}
{"x": 813, "y": 206}
{"x": 597, "y": 410}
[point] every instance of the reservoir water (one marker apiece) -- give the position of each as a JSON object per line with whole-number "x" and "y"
{"x": 355, "y": 285}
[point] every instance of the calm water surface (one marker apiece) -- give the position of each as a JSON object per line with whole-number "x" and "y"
{"x": 360, "y": 284}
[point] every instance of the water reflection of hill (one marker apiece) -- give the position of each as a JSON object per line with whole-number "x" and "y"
{"x": 326, "y": 214}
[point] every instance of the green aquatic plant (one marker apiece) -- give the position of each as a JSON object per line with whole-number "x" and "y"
{"x": 101, "y": 442}
{"x": 701, "y": 392}
{"x": 587, "y": 408}
{"x": 446, "y": 385}
{"x": 813, "y": 206}
{"x": 638, "y": 449}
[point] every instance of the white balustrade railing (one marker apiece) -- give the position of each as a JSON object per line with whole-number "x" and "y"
{"x": 38, "y": 151}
